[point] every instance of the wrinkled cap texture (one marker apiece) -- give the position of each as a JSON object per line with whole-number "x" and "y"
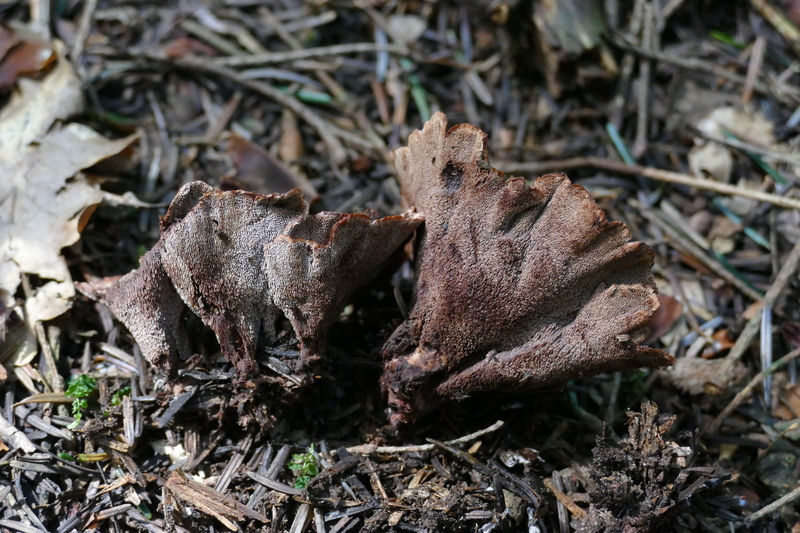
{"x": 518, "y": 287}
{"x": 240, "y": 260}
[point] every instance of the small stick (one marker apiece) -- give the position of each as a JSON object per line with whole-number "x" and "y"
{"x": 754, "y": 68}
{"x": 670, "y": 7}
{"x": 747, "y": 147}
{"x": 40, "y": 17}
{"x": 84, "y": 26}
{"x": 366, "y": 449}
{"x": 643, "y": 87}
{"x": 544, "y": 167}
{"x": 780, "y": 21}
{"x": 697, "y": 65}
{"x": 220, "y": 43}
{"x": 306, "y": 53}
{"x": 14, "y": 437}
{"x": 737, "y": 400}
{"x": 753, "y": 326}
{"x": 323, "y": 128}
{"x": 327, "y": 80}
{"x": 774, "y": 506}
{"x": 628, "y": 62}
{"x": 565, "y": 500}
{"x": 686, "y": 246}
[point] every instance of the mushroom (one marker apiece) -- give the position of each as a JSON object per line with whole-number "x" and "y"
{"x": 517, "y": 287}
{"x": 239, "y": 260}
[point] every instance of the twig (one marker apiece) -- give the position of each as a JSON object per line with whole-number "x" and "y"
{"x": 754, "y": 68}
{"x": 686, "y": 246}
{"x": 670, "y": 7}
{"x": 752, "y": 328}
{"x": 737, "y": 400}
{"x": 325, "y": 130}
{"x": 274, "y": 485}
{"x": 747, "y": 147}
{"x": 220, "y": 43}
{"x": 643, "y": 87}
{"x": 780, "y": 22}
{"x": 628, "y": 62}
{"x": 696, "y": 64}
{"x": 337, "y": 90}
{"x": 84, "y": 26}
{"x": 54, "y": 379}
{"x": 562, "y": 498}
{"x": 292, "y": 55}
{"x": 14, "y": 437}
{"x": 366, "y": 449}
{"x": 648, "y": 172}
{"x": 40, "y": 18}
{"x": 774, "y": 506}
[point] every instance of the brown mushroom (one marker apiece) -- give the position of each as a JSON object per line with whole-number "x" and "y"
{"x": 239, "y": 260}
{"x": 517, "y": 287}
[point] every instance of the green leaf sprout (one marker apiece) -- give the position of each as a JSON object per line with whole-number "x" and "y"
{"x": 80, "y": 388}
{"x": 116, "y": 399}
{"x": 304, "y": 466}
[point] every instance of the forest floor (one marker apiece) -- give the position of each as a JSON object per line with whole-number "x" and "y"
{"x": 680, "y": 118}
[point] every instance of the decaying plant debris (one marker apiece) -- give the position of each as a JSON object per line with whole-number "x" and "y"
{"x": 517, "y": 288}
{"x": 645, "y": 481}
{"x": 238, "y": 260}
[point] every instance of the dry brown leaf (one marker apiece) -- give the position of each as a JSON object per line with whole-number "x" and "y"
{"x": 239, "y": 260}
{"x": 259, "y": 171}
{"x": 42, "y": 201}
{"x": 291, "y": 146}
{"x": 517, "y": 287}
{"x": 668, "y": 312}
{"x": 695, "y": 375}
{"x": 21, "y": 53}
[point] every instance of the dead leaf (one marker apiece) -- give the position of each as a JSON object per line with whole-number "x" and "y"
{"x": 752, "y": 127}
{"x": 695, "y": 375}
{"x": 517, "y": 288}
{"x": 711, "y": 158}
{"x": 790, "y": 398}
{"x": 41, "y": 198}
{"x": 239, "y": 260}
{"x": 668, "y": 312}
{"x": 290, "y": 147}
{"x": 720, "y": 342}
{"x": 21, "y": 53}
{"x": 259, "y": 171}
{"x": 406, "y": 29}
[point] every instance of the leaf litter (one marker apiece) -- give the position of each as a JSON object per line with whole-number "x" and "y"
{"x": 472, "y": 63}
